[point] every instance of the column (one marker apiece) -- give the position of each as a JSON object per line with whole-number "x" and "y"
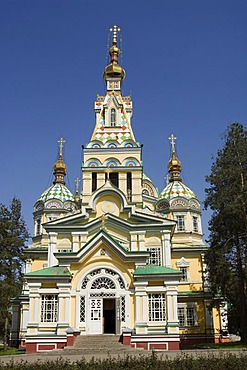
{"x": 63, "y": 307}
{"x": 87, "y": 186}
{"x": 83, "y": 235}
{"x": 75, "y": 241}
{"x": 100, "y": 179}
{"x": 172, "y": 309}
{"x": 34, "y": 309}
{"x": 123, "y": 182}
{"x": 141, "y": 317}
{"x": 136, "y": 187}
{"x": 141, "y": 237}
{"x": 133, "y": 238}
{"x": 166, "y": 247}
{"x": 52, "y": 246}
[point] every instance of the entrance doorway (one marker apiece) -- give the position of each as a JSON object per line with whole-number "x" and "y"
{"x": 109, "y": 316}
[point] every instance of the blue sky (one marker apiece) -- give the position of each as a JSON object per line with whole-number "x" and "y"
{"x": 186, "y": 71}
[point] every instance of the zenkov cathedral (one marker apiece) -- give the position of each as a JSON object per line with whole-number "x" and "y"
{"x": 118, "y": 258}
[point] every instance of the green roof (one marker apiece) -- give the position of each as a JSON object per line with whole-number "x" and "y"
{"x": 50, "y": 271}
{"x": 155, "y": 270}
{"x": 193, "y": 292}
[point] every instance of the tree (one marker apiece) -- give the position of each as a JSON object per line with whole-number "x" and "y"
{"x": 13, "y": 235}
{"x": 227, "y": 198}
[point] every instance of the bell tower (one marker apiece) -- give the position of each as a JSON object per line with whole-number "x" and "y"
{"x": 113, "y": 153}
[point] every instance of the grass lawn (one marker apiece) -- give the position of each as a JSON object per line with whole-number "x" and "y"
{"x": 11, "y": 351}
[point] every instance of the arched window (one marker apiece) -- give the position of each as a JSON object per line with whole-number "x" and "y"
{"x": 103, "y": 282}
{"x": 113, "y": 117}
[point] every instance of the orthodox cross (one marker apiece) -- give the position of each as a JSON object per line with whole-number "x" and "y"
{"x": 61, "y": 141}
{"x": 77, "y": 181}
{"x": 114, "y": 29}
{"x": 167, "y": 179}
{"x": 173, "y": 139}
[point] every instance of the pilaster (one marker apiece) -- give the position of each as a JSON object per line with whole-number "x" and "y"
{"x": 52, "y": 261}
{"x": 63, "y": 307}
{"x": 166, "y": 247}
{"x": 34, "y": 308}
{"x": 172, "y": 309}
{"x": 133, "y": 239}
{"x": 123, "y": 182}
{"x": 141, "y": 314}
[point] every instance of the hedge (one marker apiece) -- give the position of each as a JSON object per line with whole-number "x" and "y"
{"x": 153, "y": 362}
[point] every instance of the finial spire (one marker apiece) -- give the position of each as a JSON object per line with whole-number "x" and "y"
{"x": 77, "y": 182}
{"x": 61, "y": 141}
{"x": 77, "y": 197}
{"x": 172, "y": 139}
{"x": 114, "y": 73}
{"x": 59, "y": 168}
{"x": 174, "y": 164}
{"x": 114, "y": 29}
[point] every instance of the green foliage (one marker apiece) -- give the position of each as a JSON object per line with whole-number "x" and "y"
{"x": 153, "y": 362}
{"x": 13, "y": 235}
{"x": 227, "y": 197}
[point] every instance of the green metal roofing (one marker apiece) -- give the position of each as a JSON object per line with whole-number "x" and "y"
{"x": 57, "y": 191}
{"x": 156, "y": 270}
{"x": 104, "y": 232}
{"x": 177, "y": 189}
{"x": 194, "y": 292}
{"x": 51, "y": 271}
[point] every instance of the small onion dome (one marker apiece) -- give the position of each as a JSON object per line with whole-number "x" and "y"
{"x": 59, "y": 171}
{"x": 174, "y": 168}
{"x": 57, "y": 192}
{"x": 177, "y": 189}
{"x": 114, "y": 69}
{"x": 77, "y": 198}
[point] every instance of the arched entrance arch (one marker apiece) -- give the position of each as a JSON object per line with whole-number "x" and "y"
{"x": 103, "y": 302}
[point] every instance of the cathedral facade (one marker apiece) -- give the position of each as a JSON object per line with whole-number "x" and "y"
{"x": 119, "y": 257}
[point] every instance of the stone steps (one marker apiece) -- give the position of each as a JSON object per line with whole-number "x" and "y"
{"x": 90, "y": 344}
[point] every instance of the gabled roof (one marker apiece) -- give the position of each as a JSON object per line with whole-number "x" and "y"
{"x": 156, "y": 270}
{"x": 55, "y": 271}
{"x": 136, "y": 221}
{"x": 103, "y": 237}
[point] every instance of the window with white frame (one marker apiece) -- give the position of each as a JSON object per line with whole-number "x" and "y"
{"x": 183, "y": 266}
{"x": 184, "y": 271}
{"x": 82, "y": 308}
{"x": 156, "y": 307}
{"x": 49, "y": 307}
{"x": 122, "y": 308}
{"x": 180, "y": 223}
{"x": 155, "y": 256}
{"x": 113, "y": 117}
{"x": 38, "y": 226}
{"x": 187, "y": 315}
{"x": 195, "y": 224}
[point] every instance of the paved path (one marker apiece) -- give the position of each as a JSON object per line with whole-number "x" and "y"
{"x": 53, "y": 356}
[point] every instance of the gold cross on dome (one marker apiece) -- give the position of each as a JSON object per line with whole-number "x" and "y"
{"x": 114, "y": 29}
{"x": 173, "y": 139}
{"x": 61, "y": 141}
{"x": 77, "y": 181}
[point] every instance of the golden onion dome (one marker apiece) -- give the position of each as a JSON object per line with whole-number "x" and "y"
{"x": 114, "y": 49}
{"x": 174, "y": 164}
{"x": 59, "y": 171}
{"x": 59, "y": 167}
{"x": 114, "y": 69}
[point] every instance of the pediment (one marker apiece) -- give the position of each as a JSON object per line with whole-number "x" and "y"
{"x": 128, "y": 220}
{"x": 100, "y": 244}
